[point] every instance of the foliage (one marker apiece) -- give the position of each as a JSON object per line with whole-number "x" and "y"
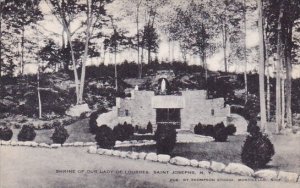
{"x": 231, "y": 129}
{"x": 27, "y": 133}
{"x": 123, "y": 132}
{"x": 149, "y": 127}
{"x": 105, "y": 137}
{"x": 60, "y": 135}
{"x": 257, "y": 150}
{"x": 93, "y": 119}
{"x": 5, "y": 133}
{"x": 220, "y": 132}
{"x": 165, "y": 137}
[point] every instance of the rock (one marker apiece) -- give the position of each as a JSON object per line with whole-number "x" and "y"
{"x": 27, "y": 143}
{"x": 194, "y": 163}
{"x": 180, "y": 161}
{"x": 133, "y": 142}
{"x": 266, "y": 174}
{"x": 92, "y": 149}
{"x": 151, "y": 157}
{"x": 125, "y": 142}
{"x": 34, "y": 144}
{"x": 78, "y": 144}
{"x": 118, "y": 142}
{"x": 108, "y": 152}
{"x": 14, "y": 143}
{"x": 44, "y": 145}
{"x": 21, "y": 143}
{"x": 5, "y": 143}
{"x": 101, "y": 151}
{"x": 89, "y": 144}
{"x": 132, "y": 155}
{"x": 217, "y": 166}
{"x": 204, "y": 164}
{"x": 76, "y": 110}
{"x": 287, "y": 176}
{"x": 67, "y": 144}
{"x": 55, "y": 145}
{"x": 116, "y": 153}
{"x": 142, "y": 155}
{"x": 163, "y": 158}
{"x": 123, "y": 154}
{"x": 236, "y": 168}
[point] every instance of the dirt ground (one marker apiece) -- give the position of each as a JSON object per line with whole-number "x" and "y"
{"x": 73, "y": 167}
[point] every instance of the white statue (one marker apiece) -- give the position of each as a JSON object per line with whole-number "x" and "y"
{"x": 163, "y": 86}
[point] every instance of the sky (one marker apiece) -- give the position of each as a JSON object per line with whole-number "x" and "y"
{"x": 51, "y": 26}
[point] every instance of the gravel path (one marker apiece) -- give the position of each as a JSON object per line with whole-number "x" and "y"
{"x": 37, "y": 167}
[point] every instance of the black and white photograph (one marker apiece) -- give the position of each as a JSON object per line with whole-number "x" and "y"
{"x": 149, "y": 93}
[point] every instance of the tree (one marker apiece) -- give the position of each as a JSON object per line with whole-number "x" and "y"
{"x": 150, "y": 40}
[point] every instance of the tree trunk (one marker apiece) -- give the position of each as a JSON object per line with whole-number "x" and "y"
{"x": 261, "y": 69}
{"x": 245, "y": 53}
{"x": 278, "y": 71}
{"x": 149, "y": 55}
{"x": 85, "y": 55}
{"x": 282, "y": 101}
{"x": 138, "y": 42}
{"x": 116, "y": 72}
{"x": 224, "y": 36}
{"x": 0, "y": 41}
{"x": 22, "y": 50}
{"x": 39, "y": 95}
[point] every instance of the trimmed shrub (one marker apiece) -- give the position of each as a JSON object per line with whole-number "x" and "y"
{"x": 199, "y": 129}
{"x": 120, "y": 132}
{"x": 5, "y": 133}
{"x": 220, "y": 132}
{"x": 93, "y": 119}
{"x": 165, "y": 137}
{"x": 27, "y": 133}
{"x": 56, "y": 123}
{"x": 105, "y": 137}
{"x": 60, "y": 135}
{"x": 252, "y": 127}
{"x": 149, "y": 127}
{"x": 231, "y": 129}
{"x": 257, "y": 151}
{"x": 128, "y": 129}
{"x": 209, "y": 130}
{"x": 142, "y": 131}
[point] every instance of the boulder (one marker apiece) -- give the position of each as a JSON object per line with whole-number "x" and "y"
{"x": 266, "y": 174}
{"x": 163, "y": 158}
{"x": 123, "y": 154}
{"x": 133, "y": 142}
{"x": 181, "y": 161}
{"x": 101, "y": 151}
{"x": 108, "y": 152}
{"x": 92, "y": 149}
{"x": 142, "y": 155}
{"x": 118, "y": 142}
{"x": 237, "y": 168}
{"x": 44, "y": 145}
{"x": 89, "y": 144}
{"x": 55, "y": 145}
{"x": 151, "y": 157}
{"x": 132, "y": 155}
{"x": 34, "y": 144}
{"x": 21, "y": 143}
{"x": 14, "y": 143}
{"x": 204, "y": 164}
{"x": 67, "y": 144}
{"x": 287, "y": 176}
{"x": 76, "y": 110}
{"x": 217, "y": 166}
{"x": 5, "y": 143}
{"x": 116, "y": 153}
{"x": 77, "y": 144}
{"x": 194, "y": 163}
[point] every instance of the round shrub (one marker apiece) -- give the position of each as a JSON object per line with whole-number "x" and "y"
{"x": 199, "y": 129}
{"x": 149, "y": 127}
{"x": 257, "y": 151}
{"x": 56, "y": 123}
{"x": 128, "y": 129}
{"x": 120, "y": 132}
{"x": 165, "y": 137}
{"x": 27, "y": 133}
{"x": 5, "y": 133}
{"x": 105, "y": 137}
{"x": 220, "y": 132}
{"x": 60, "y": 135}
{"x": 209, "y": 130}
{"x": 93, "y": 120}
{"x": 252, "y": 127}
{"x": 231, "y": 129}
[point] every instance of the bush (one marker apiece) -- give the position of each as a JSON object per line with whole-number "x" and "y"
{"x": 105, "y": 137}
{"x": 27, "y": 133}
{"x": 93, "y": 119}
{"x": 56, "y": 123}
{"x": 60, "y": 135}
{"x": 165, "y": 137}
{"x": 231, "y": 129}
{"x": 149, "y": 127}
{"x": 252, "y": 127}
{"x": 209, "y": 130}
{"x": 199, "y": 129}
{"x": 220, "y": 132}
{"x": 129, "y": 130}
{"x": 5, "y": 133}
{"x": 120, "y": 132}
{"x": 257, "y": 151}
